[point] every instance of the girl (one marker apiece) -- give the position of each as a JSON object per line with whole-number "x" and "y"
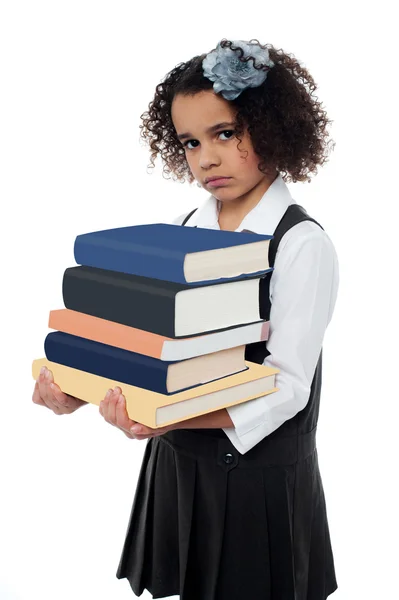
{"x": 230, "y": 505}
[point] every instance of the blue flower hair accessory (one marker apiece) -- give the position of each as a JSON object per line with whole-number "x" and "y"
{"x": 233, "y": 74}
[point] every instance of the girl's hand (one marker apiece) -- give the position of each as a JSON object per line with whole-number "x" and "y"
{"x": 113, "y": 409}
{"x": 47, "y": 393}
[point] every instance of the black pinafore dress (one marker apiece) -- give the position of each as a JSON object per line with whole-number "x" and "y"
{"x": 209, "y": 523}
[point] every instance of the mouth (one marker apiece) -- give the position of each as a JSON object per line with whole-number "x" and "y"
{"x": 216, "y": 181}
{"x": 213, "y": 178}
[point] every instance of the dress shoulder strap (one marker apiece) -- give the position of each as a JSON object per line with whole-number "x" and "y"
{"x": 293, "y": 215}
{"x": 186, "y": 218}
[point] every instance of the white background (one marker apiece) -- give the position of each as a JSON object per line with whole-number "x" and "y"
{"x": 75, "y": 77}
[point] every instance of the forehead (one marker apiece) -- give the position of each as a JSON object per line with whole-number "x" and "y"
{"x": 200, "y": 111}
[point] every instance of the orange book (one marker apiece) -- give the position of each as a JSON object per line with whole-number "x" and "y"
{"x": 151, "y": 344}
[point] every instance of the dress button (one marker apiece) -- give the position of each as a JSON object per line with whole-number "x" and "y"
{"x": 228, "y": 458}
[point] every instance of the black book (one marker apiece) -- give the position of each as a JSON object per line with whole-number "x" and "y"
{"x": 163, "y": 307}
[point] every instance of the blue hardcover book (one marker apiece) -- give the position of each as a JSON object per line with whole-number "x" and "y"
{"x": 164, "y": 377}
{"x": 173, "y": 253}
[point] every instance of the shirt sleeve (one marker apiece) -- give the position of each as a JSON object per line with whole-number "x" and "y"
{"x": 303, "y": 295}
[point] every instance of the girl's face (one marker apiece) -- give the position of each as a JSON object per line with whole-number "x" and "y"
{"x": 212, "y": 151}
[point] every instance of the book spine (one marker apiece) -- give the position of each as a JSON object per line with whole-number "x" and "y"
{"x": 107, "y": 297}
{"x": 106, "y": 361}
{"x": 141, "y": 260}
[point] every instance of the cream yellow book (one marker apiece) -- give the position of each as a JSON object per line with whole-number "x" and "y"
{"x": 158, "y": 410}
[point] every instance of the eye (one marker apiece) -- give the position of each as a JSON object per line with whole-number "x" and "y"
{"x": 219, "y": 133}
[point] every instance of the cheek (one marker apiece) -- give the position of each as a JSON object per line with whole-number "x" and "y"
{"x": 248, "y": 161}
{"x": 190, "y": 161}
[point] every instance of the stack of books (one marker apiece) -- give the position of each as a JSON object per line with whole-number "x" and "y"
{"x": 165, "y": 312}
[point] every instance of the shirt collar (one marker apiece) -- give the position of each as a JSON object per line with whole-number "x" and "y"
{"x": 262, "y": 219}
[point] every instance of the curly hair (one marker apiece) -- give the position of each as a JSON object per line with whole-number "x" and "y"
{"x": 286, "y": 123}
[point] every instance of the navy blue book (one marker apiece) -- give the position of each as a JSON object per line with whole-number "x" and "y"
{"x": 173, "y": 253}
{"x": 138, "y": 369}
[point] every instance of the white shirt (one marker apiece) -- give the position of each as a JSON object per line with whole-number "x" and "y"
{"x": 303, "y": 292}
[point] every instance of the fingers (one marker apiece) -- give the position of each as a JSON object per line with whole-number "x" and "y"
{"x": 44, "y": 380}
{"x": 42, "y": 384}
{"x": 53, "y": 398}
{"x": 113, "y": 398}
{"x": 36, "y": 395}
{"x": 104, "y": 406}
{"x": 122, "y": 418}
{"x": 113, "y": 409}
{"x": 65, "y": 403}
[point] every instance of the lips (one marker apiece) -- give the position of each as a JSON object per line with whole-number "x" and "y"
{"x": 209, "y": 179}
{"x": 220, "y": 182}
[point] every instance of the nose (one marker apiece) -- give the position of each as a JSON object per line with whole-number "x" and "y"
{"x": 208, "y": 157}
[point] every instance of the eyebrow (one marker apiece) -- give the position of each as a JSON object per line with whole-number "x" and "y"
{"x": 209, "y": 130}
